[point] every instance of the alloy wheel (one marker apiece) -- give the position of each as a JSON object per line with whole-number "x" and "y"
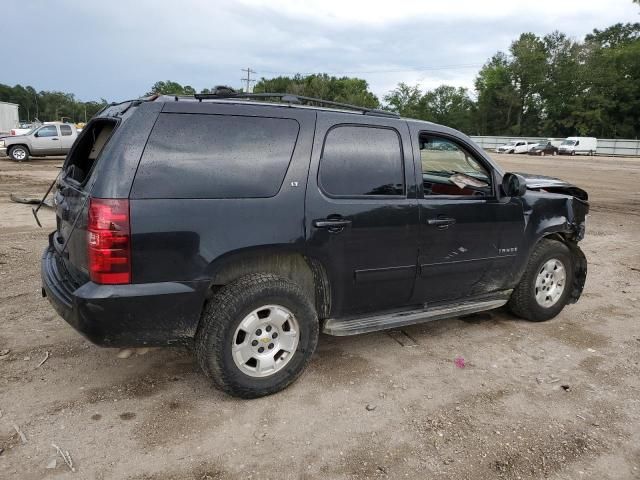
{"x": 265, "y": 341}
{"x": 550, "y": 283}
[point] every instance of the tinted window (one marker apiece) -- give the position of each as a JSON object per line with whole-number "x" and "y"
{"x": 48, "y": 131}
{"x": 215, "y": 156}
{"x": 65, "y": 130}
{"x": 448, "y": 169}
{"x": 361, "y": 161}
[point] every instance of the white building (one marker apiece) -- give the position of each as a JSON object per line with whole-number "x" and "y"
{"x": 8, "y": 116}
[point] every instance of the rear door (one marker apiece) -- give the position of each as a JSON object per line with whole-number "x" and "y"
{"x": 46, "y": 141}
{"x": 468, "y": 235}
{"x": 67, "y": 137}
{"x": 361, "y": 211}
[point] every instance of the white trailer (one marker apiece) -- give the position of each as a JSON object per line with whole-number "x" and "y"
{"x": 8, "y": 116}
{"x": 578, "y": 146}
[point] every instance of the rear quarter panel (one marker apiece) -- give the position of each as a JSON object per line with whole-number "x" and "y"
{"x": 187, "y": 239}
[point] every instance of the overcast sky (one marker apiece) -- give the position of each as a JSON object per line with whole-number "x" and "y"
{"x": 117, "y": 49}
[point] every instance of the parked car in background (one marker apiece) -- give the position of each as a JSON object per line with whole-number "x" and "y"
{"x": 545, "y": 148}
{"x": 578, "y": 146}
{"x": 23, "y": 128}
{"x": 53, "y": 138}
{"x": 243, "y": 228}
{"x": 516, "y": 146}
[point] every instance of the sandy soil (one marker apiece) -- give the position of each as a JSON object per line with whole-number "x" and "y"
{"x": 554, "y": 400}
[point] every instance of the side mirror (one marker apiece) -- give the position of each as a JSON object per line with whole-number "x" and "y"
{"x": 514, "y": 185}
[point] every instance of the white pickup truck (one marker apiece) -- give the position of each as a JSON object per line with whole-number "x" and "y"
{"x": 23, "y": 128}
{"x": 516, "y": 146}
{"x": 55, "y": 138}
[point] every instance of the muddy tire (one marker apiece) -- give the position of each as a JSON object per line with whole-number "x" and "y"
{"x": 19, "y": 153}
{"x": 257, "y": 335}
{"x": 546, "y": 284}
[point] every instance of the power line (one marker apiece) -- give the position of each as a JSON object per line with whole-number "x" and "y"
{"x": 248, "y": 79}
{"x": 408, "y": 69}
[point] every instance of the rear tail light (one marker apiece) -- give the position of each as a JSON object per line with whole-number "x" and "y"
{"x": 109, "y": 240}
{"x": 12, "y": 132}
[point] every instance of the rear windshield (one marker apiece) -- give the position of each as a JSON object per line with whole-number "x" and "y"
{"x": 215, "y": 156}
{"x": 84, "y": 154}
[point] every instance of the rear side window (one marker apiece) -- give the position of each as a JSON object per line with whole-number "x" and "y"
{"x": 215, "y": 156}
{"x": 361, "y": 160}
{"x": 65, "y": 130}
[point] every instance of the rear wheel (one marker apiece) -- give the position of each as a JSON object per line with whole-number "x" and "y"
{"x": 19, "y": 153}
{"x": 554, "y": 153}
{"x": 257, "y": 335}
{"x": 573, "y": 152}
{"x": 545, "y": 286}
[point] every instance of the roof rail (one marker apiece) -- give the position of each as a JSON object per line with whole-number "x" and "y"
{"x": 297, "y": 99}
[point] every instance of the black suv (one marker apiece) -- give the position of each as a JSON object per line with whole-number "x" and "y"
{"x": 246, "y": 224}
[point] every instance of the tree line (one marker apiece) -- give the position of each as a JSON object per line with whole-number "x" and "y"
{"x": 543, "y": 86}
{"x": 49, "y": 106}
{"x": 551, "y": 85}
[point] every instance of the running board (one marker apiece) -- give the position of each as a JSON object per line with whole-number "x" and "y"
{"x": 356, "y": 325}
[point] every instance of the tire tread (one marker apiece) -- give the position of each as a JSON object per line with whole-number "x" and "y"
{"x": 216, "y": 316}
{"x": 522, "y": 302}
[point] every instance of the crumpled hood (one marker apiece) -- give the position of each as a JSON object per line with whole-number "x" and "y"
{"x": 553, "y": 185}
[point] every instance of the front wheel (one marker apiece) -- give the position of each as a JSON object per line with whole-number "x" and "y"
{"x": 257, "y": 335}
{"x": 546, "y": 284}
{"x": 554, "y": 153}
{"x": 19, "y": 153}
{"x": 542, "y": 153}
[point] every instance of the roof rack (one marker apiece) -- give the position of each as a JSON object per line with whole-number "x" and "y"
{"x": 296, "y": 100}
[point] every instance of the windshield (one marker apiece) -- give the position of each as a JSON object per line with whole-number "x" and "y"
{"x": 569, "y": 142}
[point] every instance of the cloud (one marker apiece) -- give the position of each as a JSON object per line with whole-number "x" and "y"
{"x": 118, "y": 49}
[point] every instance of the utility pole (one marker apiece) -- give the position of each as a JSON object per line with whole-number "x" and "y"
{"x": 248, "y": 79}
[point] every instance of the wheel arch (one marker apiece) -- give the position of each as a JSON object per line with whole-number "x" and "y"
{"x": 307, "y": 272}
{"x": 26, "y": 146}
{"x": 579, "y": 260}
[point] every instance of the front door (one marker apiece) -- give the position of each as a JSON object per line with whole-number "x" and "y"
{"x": 46, "y": 141}
{"x": 468, "y": 234}
{"x": 361, "y": 211}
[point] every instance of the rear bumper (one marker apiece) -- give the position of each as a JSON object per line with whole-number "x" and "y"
{"x": 135, "y": 315}
{"x": 3, "y": 151}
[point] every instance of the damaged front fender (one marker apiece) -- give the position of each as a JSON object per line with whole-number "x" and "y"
{"x": 556, "y": 209}
{"x": 579, "y": 271}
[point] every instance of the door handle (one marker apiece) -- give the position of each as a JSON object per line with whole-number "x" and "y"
{"x": 334, "y": 225}
{"x": 441, "y": 222}
{"x": 55, "y": 139}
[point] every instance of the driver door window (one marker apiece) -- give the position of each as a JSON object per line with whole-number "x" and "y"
{"x": 448, "y": 169}
{"x": 48, "y": 131}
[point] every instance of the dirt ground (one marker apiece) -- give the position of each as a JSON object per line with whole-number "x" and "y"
{"x": 552, "y": 400}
